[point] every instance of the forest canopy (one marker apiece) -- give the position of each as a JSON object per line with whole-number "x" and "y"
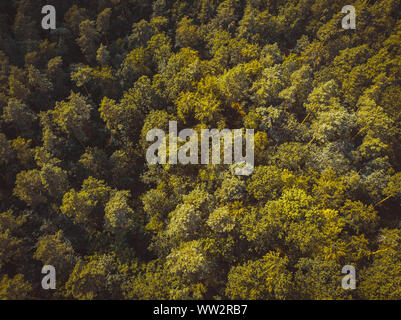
{"x": 76, "y": 192}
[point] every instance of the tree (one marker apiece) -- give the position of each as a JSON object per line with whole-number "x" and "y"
{"x": 187, "y": 219}
{"x": 57, "y": 251}
{"x": 89, "y": 39}
{"x": 301, "y": 84}
{"x": 161, "y": 50}
{"x": 227, "y": 14}
{"x": 221, "y": 220}
{"x": 381, "y": 279}
{"x": 87, "y": 205}
{"x": 6, "y": 152}
{"x": 72, "y": 116}
{"x": 77, "y": 190}
{"x": 180, "y": 72}
{"x": 82, "y": 76}
{"x": 97, "y": 277}
{"x": 16, "y": 288}
{"x": 263, "y": 279}
{"x": 18, "y": 114}
{"x": 393, "y": 188}
{"x": 118, "y": 214}
{"x": 189, "y": 261}
{"x": 142, "y": 32}
{"x": 376, "y": 126}
{"x": 12, "y": 247}
{"x": 74, "y": 16}
{"x": 119, "y": 117}
{"x": 232, "y": 189}
{"x": 322, "y": 97}
{"x": 319, "y": 279}
{"x": 136, "y": 64}
{"x": 204, "y": 108}
{"x": 55, "y": 180}
{"x": 17, "y": 84}
{"x": 96, "y": 162}
{"x": 336, "y": 124}
{"x": 188, "y": 34}
{"x": 22, "y": 148}
{"x": 268, "y": 87}
{"x": 29, "y": 187}
{"x": 39, "y": 81}
{"x": 184, "y": 223}
{"x": 103, "y": 55}
{"x": 266, "y": 183}
{"x": 103, "y": 22}
{"x": 153, "y": 282}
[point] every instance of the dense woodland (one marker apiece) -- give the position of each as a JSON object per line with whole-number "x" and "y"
{"x": 77, "y": 193}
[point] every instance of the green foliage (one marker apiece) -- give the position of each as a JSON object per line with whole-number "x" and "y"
{"x": 118, "y": 214}
{"x": 89, "y": 39}
{"x": 189, "y": 261}
{"x": 18, "y": 114}
{"x": 86, "y": 206}
{"x": 29, "y": 187}
{"x": 318, "y": 279}
{"x": 263, "y": 279}
{"x": 55, "y": 250}
{"x": 72, "y": 116}
{"x": 11, "y": 246}
{"x": 382, "y": 278}
{"x": 15, "y": 288}
{"x": 76, "y": 191}
{"x": 96, "y": 278}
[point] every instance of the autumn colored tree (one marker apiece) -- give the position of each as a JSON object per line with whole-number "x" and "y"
{"x": 77, "y": 191}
